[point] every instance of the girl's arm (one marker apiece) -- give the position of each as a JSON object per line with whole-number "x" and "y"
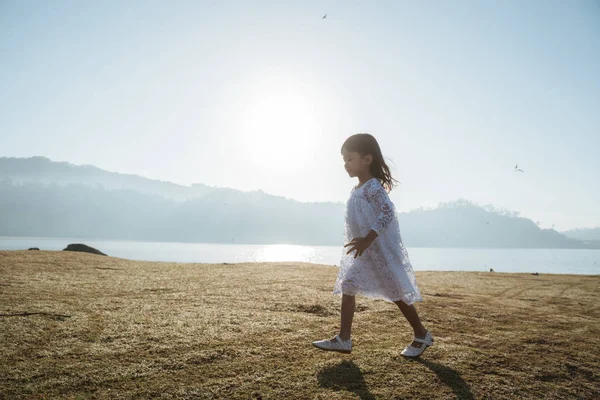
{"x": 377, "y": 195}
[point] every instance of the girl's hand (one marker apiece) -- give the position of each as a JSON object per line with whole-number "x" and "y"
{"x": 361, "y": 244}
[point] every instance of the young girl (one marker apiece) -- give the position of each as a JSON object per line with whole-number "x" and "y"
{"x": 376, "y": 264}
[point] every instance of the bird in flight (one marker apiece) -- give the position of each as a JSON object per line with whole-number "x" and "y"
{"x": 324, "y": 16}
{"x": 517, "y": 169}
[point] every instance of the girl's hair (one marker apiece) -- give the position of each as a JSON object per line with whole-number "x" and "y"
{"x": 364, "y": 144}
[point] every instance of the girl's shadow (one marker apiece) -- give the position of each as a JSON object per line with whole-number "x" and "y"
{"x": 450, "y": 378}
{"x": 345, "y": 376}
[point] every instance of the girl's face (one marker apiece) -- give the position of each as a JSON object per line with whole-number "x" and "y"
{"x": 355, "y": 163}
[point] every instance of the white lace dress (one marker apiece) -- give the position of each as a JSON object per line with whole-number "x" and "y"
{"x": 384, "y": 270}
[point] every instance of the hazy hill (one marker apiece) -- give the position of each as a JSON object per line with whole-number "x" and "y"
{"x": 584, "y": 234}
{"x": 44, "y": 170}
{"x": 221, "y": 216}
{"x": 41, "y": 198}
{"x": 465, "y": 224}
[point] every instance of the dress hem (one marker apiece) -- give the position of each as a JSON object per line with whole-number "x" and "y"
{"x": 375, "y": 297}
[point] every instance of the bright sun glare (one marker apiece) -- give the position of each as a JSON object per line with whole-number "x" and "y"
{"x": 285, "y": 252}
{"x": 280, "y": 128}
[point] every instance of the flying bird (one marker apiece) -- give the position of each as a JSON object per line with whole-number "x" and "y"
{"x": 517, "y": 169}
{"x": 324, "y": 16}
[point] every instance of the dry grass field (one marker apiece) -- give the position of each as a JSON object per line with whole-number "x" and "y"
{"x": 81, "y": 326}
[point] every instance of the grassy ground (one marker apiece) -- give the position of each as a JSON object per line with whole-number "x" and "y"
{"x": 81, "y": 326}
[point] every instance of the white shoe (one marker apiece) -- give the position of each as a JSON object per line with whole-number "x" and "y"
{"x": 341, "y": 346}
{"x": 411, "y": 351}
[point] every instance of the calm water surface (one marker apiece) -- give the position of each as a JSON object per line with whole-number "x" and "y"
{"x": 556, "y": 261}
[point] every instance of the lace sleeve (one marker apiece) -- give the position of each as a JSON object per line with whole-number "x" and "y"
{"x": 377, "y": 195}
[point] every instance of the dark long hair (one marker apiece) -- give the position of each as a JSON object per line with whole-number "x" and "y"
{"x": 364, "y": 144}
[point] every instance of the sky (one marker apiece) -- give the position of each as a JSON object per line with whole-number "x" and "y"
{"x": 261, "y": 95}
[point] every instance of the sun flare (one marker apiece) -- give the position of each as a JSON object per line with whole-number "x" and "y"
{"x": 280, "y": 129}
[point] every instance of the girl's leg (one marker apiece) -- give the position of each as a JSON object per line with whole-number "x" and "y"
{"x": 348, "y": 303}
{"x": 410, "y": 313}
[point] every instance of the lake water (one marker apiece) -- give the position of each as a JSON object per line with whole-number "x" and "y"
{"x": 555, "y": 261}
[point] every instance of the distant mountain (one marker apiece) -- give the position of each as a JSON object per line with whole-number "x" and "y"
{"x": 44, "y": 170}
{"x": 39, "y": 197}
{"x": 588, "y": 235}
{"x": 221, "y": 216}
{"x": 464, "y": 224}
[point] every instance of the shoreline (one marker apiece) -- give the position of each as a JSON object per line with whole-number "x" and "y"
{"x": 80, "y": 240}
{"x": 294, "y": 263}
